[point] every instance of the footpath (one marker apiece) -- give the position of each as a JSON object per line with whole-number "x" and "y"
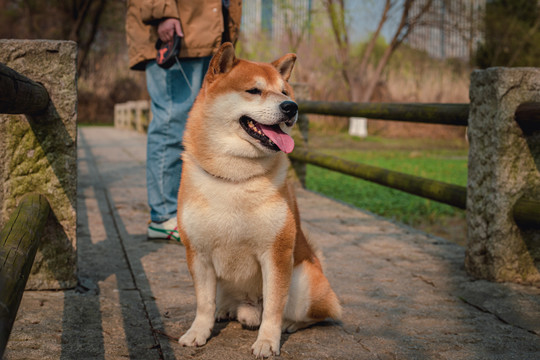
{"x": 405, "y": 294}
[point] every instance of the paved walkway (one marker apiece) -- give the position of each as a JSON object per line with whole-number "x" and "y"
{"x": 405, "y": 294}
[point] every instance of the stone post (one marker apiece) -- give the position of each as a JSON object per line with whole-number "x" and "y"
{"x": 38, "y": 154}
{"x": 504, "y": 160}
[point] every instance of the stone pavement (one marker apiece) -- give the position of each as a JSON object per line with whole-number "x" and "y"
{"x": 405, "y": 294}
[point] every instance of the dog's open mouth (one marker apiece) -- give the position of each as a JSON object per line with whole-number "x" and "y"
{"x": 270, "y": 136}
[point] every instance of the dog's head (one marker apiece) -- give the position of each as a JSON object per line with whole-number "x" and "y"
{"x": 244, "y": 109}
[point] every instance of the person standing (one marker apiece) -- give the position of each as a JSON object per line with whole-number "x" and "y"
{"x": 202, "y": 25}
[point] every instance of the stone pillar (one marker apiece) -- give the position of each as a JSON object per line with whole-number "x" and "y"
{"x": 504, "y": 160}
{"x": 38, "y": 154}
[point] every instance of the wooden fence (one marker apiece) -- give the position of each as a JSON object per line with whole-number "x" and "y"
{"x": 525, "y": 212}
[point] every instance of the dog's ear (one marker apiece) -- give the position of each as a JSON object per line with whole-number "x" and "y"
{"x": 285, "y": 65}
{"x": 222, "y": 62}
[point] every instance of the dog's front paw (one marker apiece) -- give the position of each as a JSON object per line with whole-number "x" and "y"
{"x": 195, "y": 337}
{"x": 263, "y": 348}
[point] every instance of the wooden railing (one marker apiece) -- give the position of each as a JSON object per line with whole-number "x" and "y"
{"x": 446, "y": 114}
{"x": 19, "y": 240}
{"x": 20, "y": 237}
{"x": 527, "y": 114}
{"x": 526, "y": 212}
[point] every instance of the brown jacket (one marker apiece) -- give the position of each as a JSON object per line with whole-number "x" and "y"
{"x": 201, "y": 20}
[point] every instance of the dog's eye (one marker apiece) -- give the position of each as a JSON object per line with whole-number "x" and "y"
{"x": 254, "y": 91}
{"x": 284, "y": 92}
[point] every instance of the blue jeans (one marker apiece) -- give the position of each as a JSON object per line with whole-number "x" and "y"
{"x": 171, "y": 102}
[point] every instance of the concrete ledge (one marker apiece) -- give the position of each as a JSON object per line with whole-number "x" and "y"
{"x": 38, "y": 154}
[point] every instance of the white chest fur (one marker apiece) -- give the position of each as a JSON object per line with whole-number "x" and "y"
{"x": 233, "y": 224}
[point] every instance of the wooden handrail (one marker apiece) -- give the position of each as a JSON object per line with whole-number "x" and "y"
{"x": 450, "y": 194}
{"x": 526, "y": 213}
{"x": 20, "y": 95}
{"x": 447, "y": 114}
{"x": 19, "y": 241}
{"x": 527, "y": 114}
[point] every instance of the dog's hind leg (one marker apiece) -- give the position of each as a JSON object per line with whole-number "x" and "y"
{"x": 311, "y": 298}
{"x": 249, "y": 314}
{"x": 291, "y": 326}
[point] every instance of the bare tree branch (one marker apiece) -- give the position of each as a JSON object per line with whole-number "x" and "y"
{"x": 371, "y": 45}
{"x": 403, "y": 30}
{"x": 336, "y": 12}
{"x": 360, "y": 88}
{"x": 79, "y": 17}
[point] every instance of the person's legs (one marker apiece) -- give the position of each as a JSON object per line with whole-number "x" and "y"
{"x": 172, "y": 99}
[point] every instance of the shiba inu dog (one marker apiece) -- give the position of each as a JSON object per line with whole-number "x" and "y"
{"x": 237, "y": 216}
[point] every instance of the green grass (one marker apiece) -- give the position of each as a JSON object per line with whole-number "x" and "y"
{"x": 444, "y": 165}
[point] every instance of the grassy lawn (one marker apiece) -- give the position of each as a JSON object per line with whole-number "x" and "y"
{"x": 439, "y": 163}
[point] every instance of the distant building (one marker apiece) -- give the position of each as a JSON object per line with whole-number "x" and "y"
{"x": 450, "y": 29}
{"x": 276, "y": 18}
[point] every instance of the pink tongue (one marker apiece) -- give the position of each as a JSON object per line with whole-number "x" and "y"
{"x": 282, "y": 140}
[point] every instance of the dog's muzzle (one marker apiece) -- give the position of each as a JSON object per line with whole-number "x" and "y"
{"x": 289, "y": 109}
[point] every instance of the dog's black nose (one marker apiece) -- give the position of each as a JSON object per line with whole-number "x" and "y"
{"x": 289, "y": 108}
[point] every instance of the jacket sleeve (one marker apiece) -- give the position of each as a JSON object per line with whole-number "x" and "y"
{"x": 152, "y": 11}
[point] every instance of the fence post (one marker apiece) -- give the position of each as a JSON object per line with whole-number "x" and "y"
{"x": 504, "y": 161}
{"x": 38, "y": 154}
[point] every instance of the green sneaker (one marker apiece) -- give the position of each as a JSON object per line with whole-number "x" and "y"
{"x": 167, "y": 230}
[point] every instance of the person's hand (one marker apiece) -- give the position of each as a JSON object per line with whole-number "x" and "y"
{"x": 167, "y": 28}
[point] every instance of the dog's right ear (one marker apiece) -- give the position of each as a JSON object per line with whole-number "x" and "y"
{"x": 222, "y": 62}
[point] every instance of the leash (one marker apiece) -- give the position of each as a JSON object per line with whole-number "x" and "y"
{"x": 184, "y": 74}
{"x": 168, "y": 51}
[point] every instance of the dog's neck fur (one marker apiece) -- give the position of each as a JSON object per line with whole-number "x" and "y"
{"x": 238, "y": 169}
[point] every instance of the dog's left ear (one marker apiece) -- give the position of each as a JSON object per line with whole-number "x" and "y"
{"x": 222, "y": 62}
{"x": 285, "y": 65}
